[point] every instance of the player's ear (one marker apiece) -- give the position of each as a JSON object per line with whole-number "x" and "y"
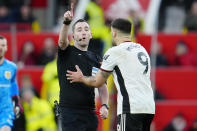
{"x": 114, "y": 33}
{"x": 6, "y": 47}
{"x": 90, "y": 35}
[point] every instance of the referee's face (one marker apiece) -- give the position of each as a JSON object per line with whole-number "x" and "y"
{"x": 3, "y": 47}
{"x": 82, "y": 34}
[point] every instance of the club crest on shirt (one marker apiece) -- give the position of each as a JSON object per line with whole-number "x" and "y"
{"x": 7, "y": 75}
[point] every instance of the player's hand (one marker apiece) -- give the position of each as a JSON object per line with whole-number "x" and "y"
{"x": 75, "y": 76}
{"x": 103, "y": 112}
{"x": 18, "y": 109}
{"x": 68, "y": 15}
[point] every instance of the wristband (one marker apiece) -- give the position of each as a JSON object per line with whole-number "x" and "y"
{"x": 67, "y": 22}
{"x": 105, "y": 106}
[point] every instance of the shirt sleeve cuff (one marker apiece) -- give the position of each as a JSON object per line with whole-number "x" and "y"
{"x": 106, "y": 70}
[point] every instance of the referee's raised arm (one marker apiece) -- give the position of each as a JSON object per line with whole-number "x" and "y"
{"x": 63, "y": 35}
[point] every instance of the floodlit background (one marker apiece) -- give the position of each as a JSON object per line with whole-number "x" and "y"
{"x": 166, "y": 28}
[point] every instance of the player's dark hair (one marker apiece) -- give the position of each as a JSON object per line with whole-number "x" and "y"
{"x": 2, "y": 37}
{"x": 80, "y": 20}
{"x": 122, "y": 25}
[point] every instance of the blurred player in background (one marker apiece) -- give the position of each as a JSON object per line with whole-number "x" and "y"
{"x": 130, "y": 64}
{"x": 9, "y": 94}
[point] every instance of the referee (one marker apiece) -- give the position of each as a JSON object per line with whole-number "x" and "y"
{"x": 77, "y": 101}
{"x": 130, "y": 64}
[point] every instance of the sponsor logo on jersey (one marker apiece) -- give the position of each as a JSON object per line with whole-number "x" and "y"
{"x": 4, "y": 85}
{"x": 7, "y": 75}
{"x": 105, "y": 57}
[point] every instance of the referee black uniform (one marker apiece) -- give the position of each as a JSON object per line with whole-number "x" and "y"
{"x": 77, "y": 101}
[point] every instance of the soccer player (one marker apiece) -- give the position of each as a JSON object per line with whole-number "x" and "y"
{"x": 130, "y": 64}
{"x": 77, "y": 101}
{"x": 9, "y": 99}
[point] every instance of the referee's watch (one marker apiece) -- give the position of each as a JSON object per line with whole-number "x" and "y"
{"x": 105, "y": 105}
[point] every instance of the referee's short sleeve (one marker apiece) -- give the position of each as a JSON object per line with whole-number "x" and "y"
{"x": 62, "y": 52}
{"x": 109, "y": 61}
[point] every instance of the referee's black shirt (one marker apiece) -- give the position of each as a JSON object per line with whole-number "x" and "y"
{"x": 76, "y": 95}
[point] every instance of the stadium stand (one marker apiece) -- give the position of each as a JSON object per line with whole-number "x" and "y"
{"x": 168, "y": 42}
{"x": 175, "y": 83}
{"x": 166, "y": 110}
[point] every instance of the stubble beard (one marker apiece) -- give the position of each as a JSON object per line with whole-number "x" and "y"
{"x": 2, "y": 53}
{"x": 84, "y": 44}
{"x": 1, "y": 57}
{"x": 113, "y": 43}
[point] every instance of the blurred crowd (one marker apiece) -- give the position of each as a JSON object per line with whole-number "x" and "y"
{"x": 20, "y": 12}
{"x": 178, "y": 16}
{"x": 175, "y": 16}
{"x": 180, "y": 123}
{"x": 28, "y": 55}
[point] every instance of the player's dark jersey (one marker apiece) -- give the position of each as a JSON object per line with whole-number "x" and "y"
{"x": 76, "y": 95}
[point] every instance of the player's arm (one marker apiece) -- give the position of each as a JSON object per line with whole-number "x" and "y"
{"x": 15, "y": 96}
{"x": 14, "y": 85}
{"x": 63, "y": 35}
{"x": 103, "y": 93}
{"x": 104, "y": 97}
{"x": 95, "y": 81}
